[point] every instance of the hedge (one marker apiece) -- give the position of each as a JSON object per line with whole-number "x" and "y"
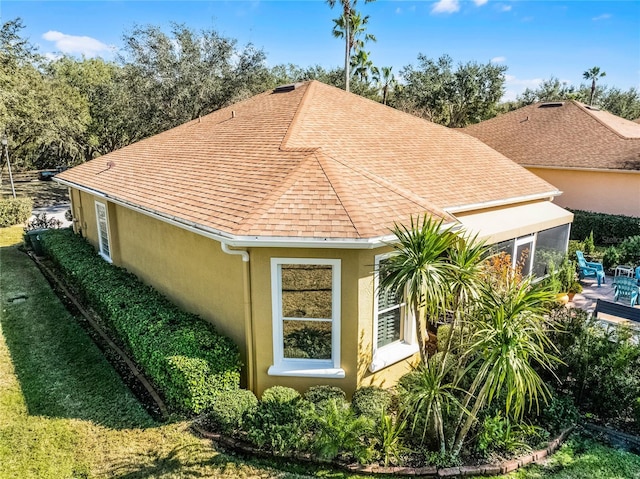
{"x": 187, "y": 359}
{"x": 607, "y": 229}
{"x": 14, "y": 211}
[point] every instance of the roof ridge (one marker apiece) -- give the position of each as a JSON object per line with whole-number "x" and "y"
{"x": 588, "y": 111}
{"x": 418, "y": 200}
{"x": 296, "y": 115}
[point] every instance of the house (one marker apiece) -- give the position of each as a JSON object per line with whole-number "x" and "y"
{"x": 589, "y": 154}
{"x": 268, "y": 219}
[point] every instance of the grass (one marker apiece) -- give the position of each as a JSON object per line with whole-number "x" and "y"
{"x": 64, "y": 412}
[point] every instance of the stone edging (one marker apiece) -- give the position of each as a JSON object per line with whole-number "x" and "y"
{"x": 429, "y": 471}
{"x": 618, "y": 435}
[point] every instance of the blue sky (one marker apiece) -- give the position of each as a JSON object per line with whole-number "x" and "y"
{"x": 534, "y": 39}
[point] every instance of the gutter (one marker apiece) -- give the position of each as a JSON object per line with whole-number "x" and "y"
{"x": 248, "y": 313}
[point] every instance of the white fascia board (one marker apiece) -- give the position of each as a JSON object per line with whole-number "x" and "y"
{"x": 246, "y": 241}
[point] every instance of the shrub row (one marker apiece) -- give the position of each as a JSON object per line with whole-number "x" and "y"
{"x": 607, "y": 229}
{"x": 14, "y": 211}
{"x": 184, "y": 355}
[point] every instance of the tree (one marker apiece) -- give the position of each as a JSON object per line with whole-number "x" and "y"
{"x": 345, "y": 24}
{"x": 593, "y": 74}
{"x": 385, "y": 81}
{"x": 453, "y": 97}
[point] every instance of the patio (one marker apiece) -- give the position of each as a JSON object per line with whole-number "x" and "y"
{"x": 591, "y": 292}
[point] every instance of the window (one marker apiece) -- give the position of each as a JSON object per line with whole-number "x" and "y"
{"x": 103, "y": 231}
{"x": 551, "y": 246}
{"x": 393, "y": 331}
{"x": 305, "y": 297}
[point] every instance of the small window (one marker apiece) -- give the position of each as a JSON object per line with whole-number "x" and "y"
{"x": 306, "y": 317}
{"x": 103, "y": 231}
{"x": 393, "y": 330}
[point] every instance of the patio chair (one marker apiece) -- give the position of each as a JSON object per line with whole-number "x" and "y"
{"x": 626, "y": 287}
{"x": 589, "y": 269}
{"x": 638, "y": 275}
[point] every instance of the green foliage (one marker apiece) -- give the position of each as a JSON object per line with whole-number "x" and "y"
{"x": 589, "y": 246}
{"x": 340, "y": 432}
{"x": 280, "y": 394}
{"x": 560, "y": 413}
{"x": 186, "y": 358}
{"x": 630, "y": 250}
{"x": 14, "y": 211}
{"x": 499, "y": 435}
{"x": 229, "y": 408}
{"x": 607, "y": 229}
{"x": 611, "y": 257}
{"x": 389, "y": 434}
{"x": 371, "y": 401}
{"x": 453, "y": 97}
{"x": 319, "y": 395}
{"x": 574, "y": 245}
{"x": 42, "y": 221}
{"x": 280, "y": 426}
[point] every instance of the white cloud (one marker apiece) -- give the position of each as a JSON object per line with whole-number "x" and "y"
{"x": 516, "y": 86}
{"x": 398, "y": 10}
{"x": 446, "y": 6}
{"x": 73, "y": 44}
{"x": 604, "y": 16}
{"x": 505, "y": 8}
{"x": 498, "y": 59}
{"x": 480, "y": 2}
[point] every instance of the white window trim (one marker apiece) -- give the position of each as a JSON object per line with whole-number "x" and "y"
{"x": 522, "y": 240}
{"x": 398, "y": 350}
{"x": 105, "y": 256}
{"x": 316, "y": 368}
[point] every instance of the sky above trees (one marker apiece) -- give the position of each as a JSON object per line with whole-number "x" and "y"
{"x": 535, "y": 40}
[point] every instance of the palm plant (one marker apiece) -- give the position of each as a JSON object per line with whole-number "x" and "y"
{"x": 509, "y": 336}
{"x": 385, "y": 80}
{"x": 419, "y": 269}
{"x": 362, "y": 65}
{"x": 593, "y": 74}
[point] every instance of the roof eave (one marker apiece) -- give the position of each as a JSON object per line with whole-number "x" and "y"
{"x": 549, "y": 195}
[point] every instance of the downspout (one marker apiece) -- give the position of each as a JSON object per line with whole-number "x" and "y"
{"x": 248, "y": 316}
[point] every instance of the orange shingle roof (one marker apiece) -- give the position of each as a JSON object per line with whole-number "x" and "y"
{"x": 311, "y": 162}
{"x": 563, "y": 134}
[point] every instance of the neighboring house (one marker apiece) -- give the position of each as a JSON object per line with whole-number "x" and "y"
{"x": 269, "y": 217}
{"x": 592, "y": 156}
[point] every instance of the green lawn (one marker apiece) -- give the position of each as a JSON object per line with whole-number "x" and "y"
{"x": 64, "y": 412}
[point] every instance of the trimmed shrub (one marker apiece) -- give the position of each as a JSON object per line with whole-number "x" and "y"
{"x": 630, "y": 250}
{"x": 14, "y": 211}
{"x": 189, "y": 361}
{"x": 280, "y": 394}
{"x": 320, "y": 395}
{"x": 229, "y": 408}
{"x": 371, "y": 401}
{"x": 280, "y": 426}
{"x": 611, "y": 257}
{"x": 607, "y": 229}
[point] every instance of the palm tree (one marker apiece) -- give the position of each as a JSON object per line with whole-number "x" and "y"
{"x": 362, "y": 65}
{"x": 509, "y": 335}
{"x": 346, "y": 20}
{"x": 419, "y": 269}
{"x": 385, "y": 80}
{"x": 593, "y": 74}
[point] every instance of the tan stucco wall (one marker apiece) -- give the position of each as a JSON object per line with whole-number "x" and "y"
{"x": 600, "y": 191}
{"x": 188, "y": 268}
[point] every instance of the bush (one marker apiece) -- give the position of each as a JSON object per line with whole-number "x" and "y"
{"x": 371, "y": 401}
{"x": 42, "y": 221}
{"x": 280, "y": 426}
{"x": 589, "y": 245}
{"x": 341, "y": 432}
{"x": 559, "y": 413}
{"x": 607, "y": 229}
{"x": 630, "y": 250}
{"x": 320, "y": 395}
{"x": 185, "y": 357}
{"x": 14, "y": 211}
{"x": 280, "y": 394}
{"x": 229, "y": 408}
{"x": 611, "y": 257}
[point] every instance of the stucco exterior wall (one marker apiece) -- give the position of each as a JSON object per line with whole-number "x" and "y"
{"x": 615, "y": 193}
{"x": 188, "y": 268}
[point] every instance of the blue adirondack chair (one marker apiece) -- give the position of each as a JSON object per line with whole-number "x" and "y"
{"x": 589, "y": 269}
{"x": 638, "y": 274}
{"x": 626, "y": 287}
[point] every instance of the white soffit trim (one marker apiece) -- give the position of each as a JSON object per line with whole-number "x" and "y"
{"x": 511, "y": 222}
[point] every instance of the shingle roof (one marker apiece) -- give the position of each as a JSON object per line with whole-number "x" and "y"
{"x": 311, "y": 162}
{"x": 563, "y": 134}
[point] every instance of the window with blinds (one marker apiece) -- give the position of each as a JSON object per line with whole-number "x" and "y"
{"x": 390, "y": 314}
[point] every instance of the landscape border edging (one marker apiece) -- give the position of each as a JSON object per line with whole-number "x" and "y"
{"x": 503, "y": 467}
